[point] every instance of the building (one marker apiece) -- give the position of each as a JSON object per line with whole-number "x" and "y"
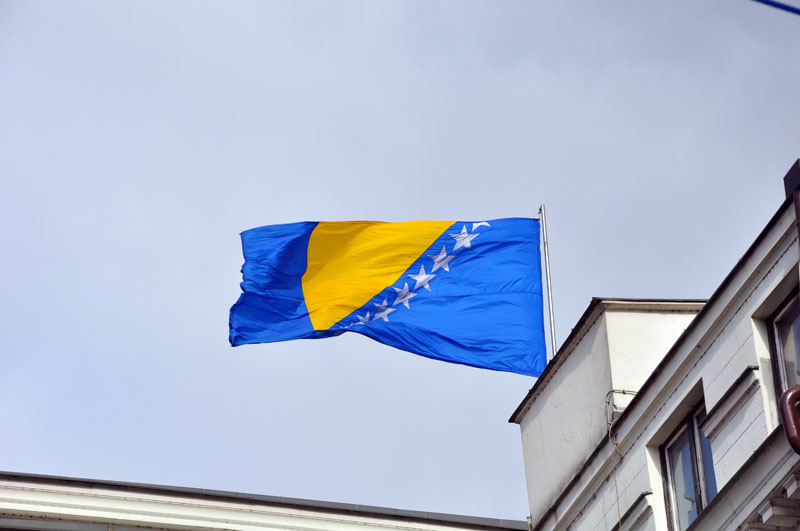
{"x": 663, "y": 415}
{"x": 44, "y": 503}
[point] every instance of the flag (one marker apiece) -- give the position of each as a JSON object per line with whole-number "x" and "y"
{"x": 461, "y": 292}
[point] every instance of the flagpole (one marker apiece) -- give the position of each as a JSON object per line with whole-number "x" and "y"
{"x": 549, "y": 286}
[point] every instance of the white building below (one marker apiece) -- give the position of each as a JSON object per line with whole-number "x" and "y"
{"x": 34, "y": 502}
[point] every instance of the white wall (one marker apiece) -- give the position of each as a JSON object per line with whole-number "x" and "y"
{"x": 638, "y": 341}
{"x": 567, "y": 420}
{"x": 569, "y": 417}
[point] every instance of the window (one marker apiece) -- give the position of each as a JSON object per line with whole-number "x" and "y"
{"x": 690, "y": 471}
{"x": 785, "y": 334}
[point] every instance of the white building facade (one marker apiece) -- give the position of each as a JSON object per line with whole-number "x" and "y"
{"x": 663, "y": 415}
{"x": 33, "y": 502}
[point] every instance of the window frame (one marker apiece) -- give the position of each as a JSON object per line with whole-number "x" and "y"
{"x": 689, "y": 424}
{"x": 780, "y": 381}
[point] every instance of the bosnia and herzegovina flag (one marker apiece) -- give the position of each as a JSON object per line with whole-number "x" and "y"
{"x": 463, "y": 292}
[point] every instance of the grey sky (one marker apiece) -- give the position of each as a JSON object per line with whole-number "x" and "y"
{"x": 138, "y": 139}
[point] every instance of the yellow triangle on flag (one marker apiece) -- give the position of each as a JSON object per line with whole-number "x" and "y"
{"x": 349, "y": 262}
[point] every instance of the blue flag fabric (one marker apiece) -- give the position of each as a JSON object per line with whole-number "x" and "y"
{"x": 461, "y": 292}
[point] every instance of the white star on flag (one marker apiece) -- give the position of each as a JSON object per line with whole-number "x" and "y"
{"x": 403, "y": 295}
{"x": 383, "y": 311}
{"x": 463, "y": 239}
{"x": 442, "y": 260}
{"x": 480, "y": 224}
{"x": 422, "y": 278}
{"x": 362, "y": 320}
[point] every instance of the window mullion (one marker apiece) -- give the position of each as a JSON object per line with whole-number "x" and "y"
{"x": 691, "y": 426}
{"x": 783, "y": 377}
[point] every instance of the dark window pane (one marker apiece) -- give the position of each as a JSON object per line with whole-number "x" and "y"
{"x": 680, "y": 467}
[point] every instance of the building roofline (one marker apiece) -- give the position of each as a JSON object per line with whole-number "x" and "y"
{"x": 794, "y": 172}
{"x": 614, "y": 300}
{"x": 672, "y": 352}
{"x": 577, "y": 332}
{"x": 218, "y": 495}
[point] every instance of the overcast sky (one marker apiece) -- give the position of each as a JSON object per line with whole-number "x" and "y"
{"x": 137, "y": 140}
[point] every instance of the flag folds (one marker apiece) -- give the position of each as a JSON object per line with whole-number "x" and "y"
{"x": 463, "y": 292}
